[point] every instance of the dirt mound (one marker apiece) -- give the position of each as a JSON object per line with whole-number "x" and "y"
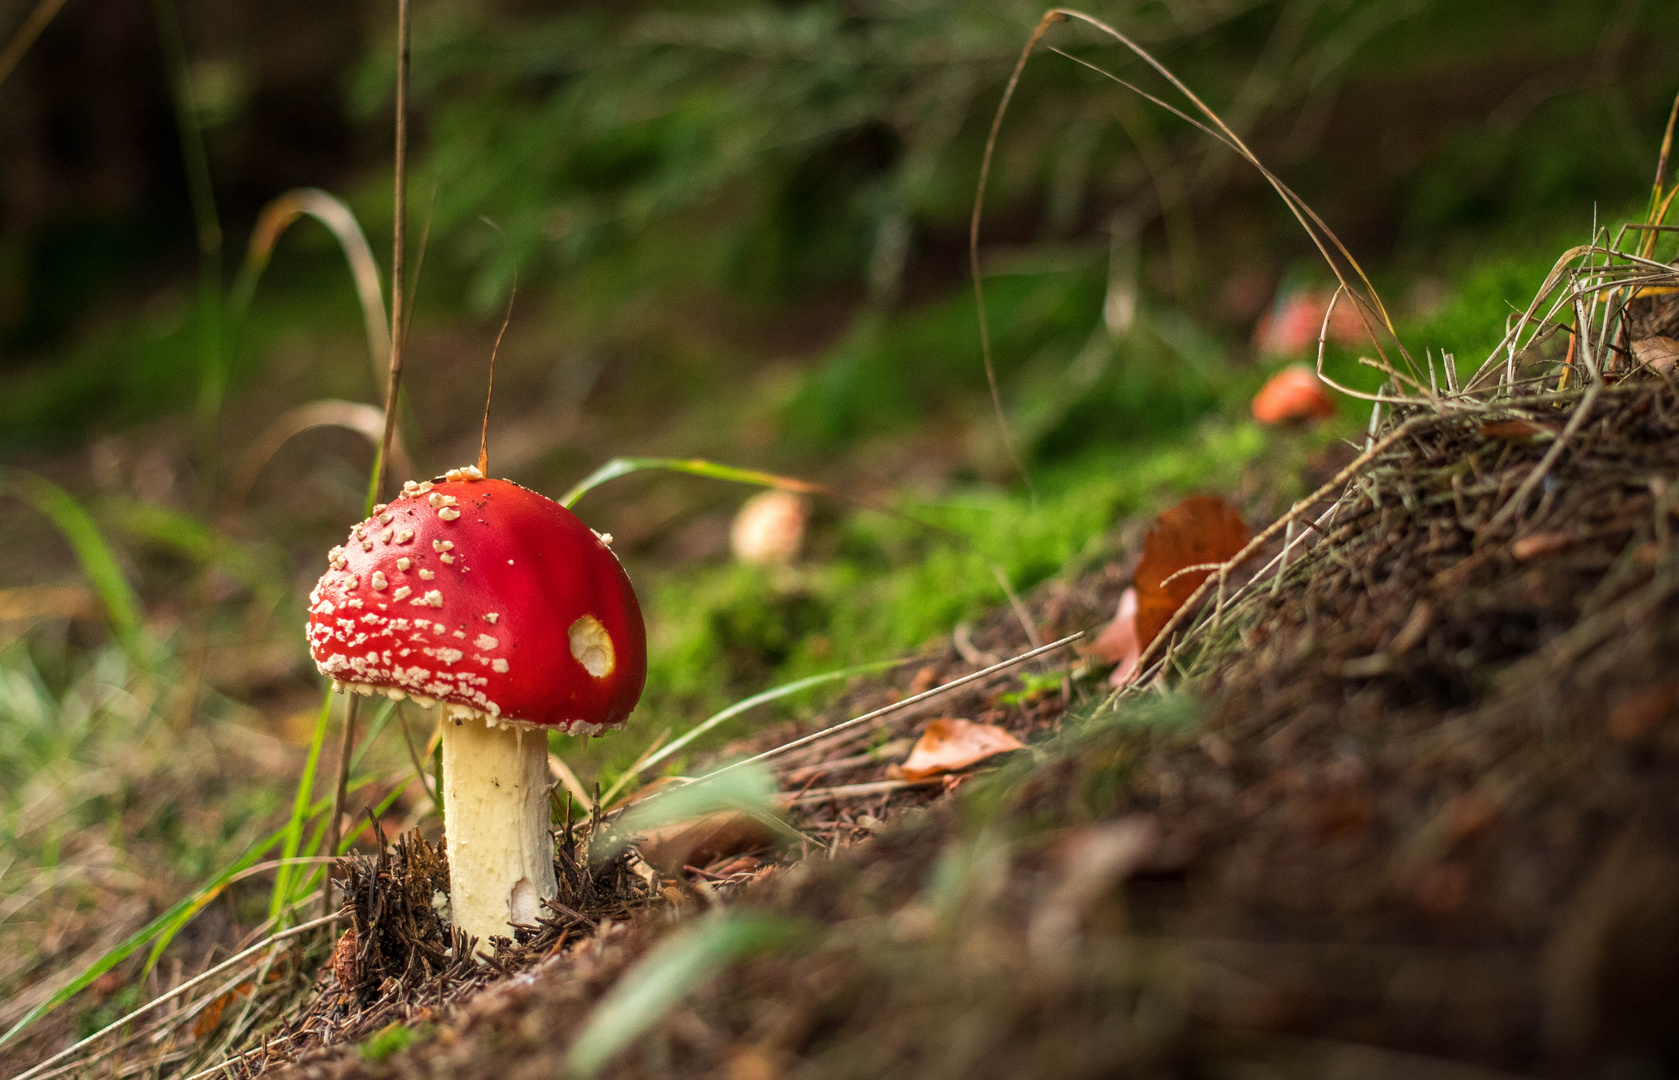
{"x": 400, "y": 962}
{"x": 1449, "y": 732}
{"x": 1416, "y": 817}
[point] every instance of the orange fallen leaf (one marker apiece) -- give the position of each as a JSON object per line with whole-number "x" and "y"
{"x": 949, "y": 744}
{"x": 1516, "y": 430}
{"x": 1635, "y": 715}
{"x": 1533, "y": 547}
{"x": 1197, "y": 531}
{"x": 1294, "y": 393}
{"x": 1118, "y": 644}
{"x": 211, "y": 1017}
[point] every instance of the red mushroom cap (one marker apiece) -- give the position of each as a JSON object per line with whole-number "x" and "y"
{"x": 489, "y": 597}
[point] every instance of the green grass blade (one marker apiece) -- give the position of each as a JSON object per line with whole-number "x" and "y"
{"x": 199, "y": 541}
{"x": 624, "y": 466}
{"x": 122, "y": 607}
{"x": 301, "y": 887}
{"x": 744, "y": 705}
{"x": 166, "y": 925}
{"x": 436, "y": 792}
{"x": 134, "y": 942}
{"x": 666, "y": 974}
{"x": 298, "y": 886}
{"x": 354, "y": 834}
{"x": 166, "y": 934}
{"x": 381, "y": 717}
{"x": 378, "y": 811}
{"x": 300, "y": 807}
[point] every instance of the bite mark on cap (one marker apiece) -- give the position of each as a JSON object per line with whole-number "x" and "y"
{"x": 591, "y": 645}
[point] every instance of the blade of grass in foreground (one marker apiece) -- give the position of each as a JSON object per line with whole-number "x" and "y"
{"x": 170, "y": 922}
{"x": 674, "y": 967}
{"x": 302, "y": 810}
{"x": 206, "y": 896}
{"x": 381, "y": 717}
{"x": 145, "y": 934}
{"x": 751, "y": 791}
{"x": 736, "y": 709}
{"x": 300, "y": 806}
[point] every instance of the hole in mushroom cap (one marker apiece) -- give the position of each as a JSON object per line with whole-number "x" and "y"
{"x": 592, "y": 646}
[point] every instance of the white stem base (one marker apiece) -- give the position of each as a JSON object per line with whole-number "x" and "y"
{"x": 495, "y": 807}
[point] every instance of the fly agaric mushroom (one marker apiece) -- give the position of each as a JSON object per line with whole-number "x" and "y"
{"x": 501, "y": 605}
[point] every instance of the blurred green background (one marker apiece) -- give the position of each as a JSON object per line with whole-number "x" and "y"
{"x": 738, "y": 231}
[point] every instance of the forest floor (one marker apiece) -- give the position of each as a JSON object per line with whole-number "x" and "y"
{"x": 1410, "y": 813}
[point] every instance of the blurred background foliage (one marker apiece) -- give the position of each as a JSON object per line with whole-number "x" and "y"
{"x": 793, "y": 180}
{"x": 738, "y": 230}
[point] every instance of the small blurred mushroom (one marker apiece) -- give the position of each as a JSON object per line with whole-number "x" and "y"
{"x": 1295, "y": 322}
{"x": 1295, "y": 393}
{"x": 770, "y": 528}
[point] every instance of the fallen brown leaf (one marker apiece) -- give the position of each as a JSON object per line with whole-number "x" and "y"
{"x": 1657, "y": 353}
{"x": 212, "y": 1015}
{"x": 1197, "y": 531}
{"x": 1441, "y": 889}
{"x": 703, "y": 841}
{"x": 1533, "y": 547}
{"x": 1513, "y": 430}
{"x": 1636, "y": 714}
{"x": 949, "y": 744}
{"x": 1118, "y": 644}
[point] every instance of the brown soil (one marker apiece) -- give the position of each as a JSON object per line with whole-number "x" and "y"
{"x": 1417, "y": 816}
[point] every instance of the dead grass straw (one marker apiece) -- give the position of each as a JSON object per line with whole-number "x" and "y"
{"x": 399, "y": 344}
{"x": 38, "y": 1069}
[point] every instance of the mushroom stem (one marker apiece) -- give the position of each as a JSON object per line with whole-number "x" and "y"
{"x": 495, "y": 807}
